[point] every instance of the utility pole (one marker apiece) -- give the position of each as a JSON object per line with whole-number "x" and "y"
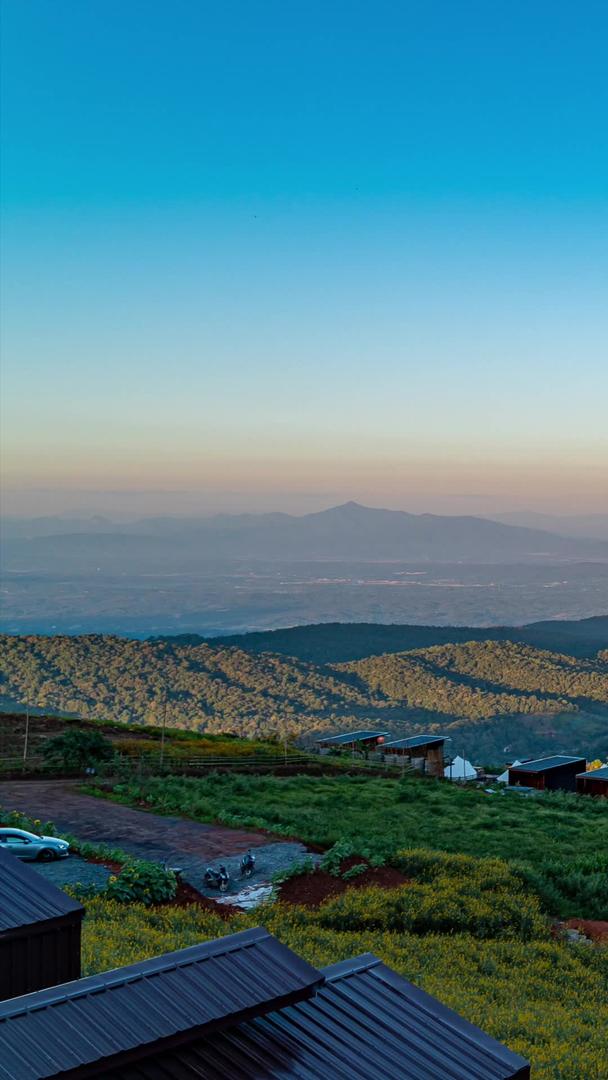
{"x": 27, "y": 734}
{"x": 162, "y": 734}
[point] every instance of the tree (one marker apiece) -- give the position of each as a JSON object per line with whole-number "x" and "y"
{"x": 77, "y": 750}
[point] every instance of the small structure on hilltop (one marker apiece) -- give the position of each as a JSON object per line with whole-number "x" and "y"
{"x": 594, "y": 782}
{"x": 557, "y": 773}
{"x": 245, "y": 1005}
{"x": 39, "y": 931}
{"x": 352, "y": 740}
{"x": 425, "y": 752}
{"x": 460, "y": 769}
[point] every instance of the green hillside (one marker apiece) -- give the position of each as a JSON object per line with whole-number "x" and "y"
{"x": 340, "y": 642}
{"x": 501, "y": 688}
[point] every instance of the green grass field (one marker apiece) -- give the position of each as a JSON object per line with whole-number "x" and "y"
{"x": 559, "y": 842}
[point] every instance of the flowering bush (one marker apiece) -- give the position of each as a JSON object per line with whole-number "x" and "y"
{"x": 142, "y": 882}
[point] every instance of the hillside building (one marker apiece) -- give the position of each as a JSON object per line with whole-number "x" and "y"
{"x": 424, "y": 752}
{"x": 39, "y": 931}
{"x": 557, "y": 773}
{"x": 594, "y": 782}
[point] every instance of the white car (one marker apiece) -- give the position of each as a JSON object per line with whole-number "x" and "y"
{"x": 26, "y": 845}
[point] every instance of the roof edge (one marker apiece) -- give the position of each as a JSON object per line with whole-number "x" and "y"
{"x": 107, "y": 980}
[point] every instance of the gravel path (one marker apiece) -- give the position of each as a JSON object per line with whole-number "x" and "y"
{"x": 73, "y": 871}
{"x": 188, "y": 844}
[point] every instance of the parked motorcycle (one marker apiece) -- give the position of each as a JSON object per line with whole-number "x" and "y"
{"x": 248, "y": 864}
{"x": 217, "y": 879}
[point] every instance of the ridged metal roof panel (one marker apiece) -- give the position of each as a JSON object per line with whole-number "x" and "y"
{"x": 540, "y": 764}
{"x": 26, "y": 897}
{"x": 364, "y": 1023}
{"x": 78, "y": 1025}
{"x": 413, "y": 741}
{"x": 352, "y": 736}
{"x": 596, "y": 774}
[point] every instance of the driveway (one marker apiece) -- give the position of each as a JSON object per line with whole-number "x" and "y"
{"x": 188, "y": 844}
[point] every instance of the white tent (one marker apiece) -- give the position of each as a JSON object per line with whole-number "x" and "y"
{"x": 460, "y": 769}
{"x": 504, "y": 776}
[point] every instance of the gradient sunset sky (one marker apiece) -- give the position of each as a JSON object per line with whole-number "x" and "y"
{"x": 277, "y": 255}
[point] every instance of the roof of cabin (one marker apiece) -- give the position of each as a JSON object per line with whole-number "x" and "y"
{"x": 353, "y": 736}
{"x": 145, "y": 1006}
{"x": 364, "y": 1023}
{"x": 596, "y": 774}
{"x": 541, "y": 764}
{"x": 26, "y": 897}
{"x": 413, "y": 741}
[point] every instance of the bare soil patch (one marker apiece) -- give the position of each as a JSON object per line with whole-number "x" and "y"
{"x": 596, "y": 929}
{"x": 310, "y": 890}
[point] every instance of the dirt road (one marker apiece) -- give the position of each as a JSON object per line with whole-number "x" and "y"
{"x": 189, "y": 844}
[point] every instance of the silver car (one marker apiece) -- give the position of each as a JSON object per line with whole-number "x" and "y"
{"x": 26, "y": 845}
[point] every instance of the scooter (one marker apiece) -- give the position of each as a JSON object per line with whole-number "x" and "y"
{"x": 247, "y": 864}
{"x": 217, "y": 879}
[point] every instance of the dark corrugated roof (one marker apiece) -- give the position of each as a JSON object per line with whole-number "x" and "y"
{"x": 540, "y": 764}
{"x": 80, "y": 1024}
{"x": 353, "y": 736}
{"x": 26, "y": 897}
{"x": 415, "y": 740}
{"x": 596, "y": 774}
{"x": 364, "y": 1023}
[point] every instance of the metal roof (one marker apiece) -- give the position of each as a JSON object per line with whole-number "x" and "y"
{"x": 596, "y": 774}
{"x": 364, "y": 1023}
{"x": 415, "y": 740}
{"x": 540, "y": 764}
{"x": 75, "y": 1027}
{"x": 26, "y": 897}
{"x": 353, "y": 736}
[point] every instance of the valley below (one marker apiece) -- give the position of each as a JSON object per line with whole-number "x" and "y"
{"x": 238, "y": 596}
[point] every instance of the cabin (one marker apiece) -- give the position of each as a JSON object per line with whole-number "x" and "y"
{"x": 39, "y": 931}
{"x": 425, "y": 752}
{"x": 594, "y": 782}
{"x": 352, "y": 740}
{"x": 557, "y": 773}
{"x": 245, "y": 1005}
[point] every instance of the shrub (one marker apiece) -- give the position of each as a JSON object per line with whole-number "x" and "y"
{"x": 142, "y": 882}
{"x": 443, "y": 907}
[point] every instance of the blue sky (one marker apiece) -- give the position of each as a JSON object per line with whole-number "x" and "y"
{"x": 282, "y": 254}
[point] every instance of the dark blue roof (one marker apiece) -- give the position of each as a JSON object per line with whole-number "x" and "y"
{"x": 364, "y": 1023}
{"x": 414, "y": 741}
{"x": 540, "y": 764}
{"x": 353, "y": 736}
{"x": 78, "y": 1025}
{"x": 26, "y": 897}
{"x": 596, "y": 774}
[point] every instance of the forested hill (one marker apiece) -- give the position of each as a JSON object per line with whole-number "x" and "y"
{"x": 336, "y": 643}
{"x": 216, "y": 688}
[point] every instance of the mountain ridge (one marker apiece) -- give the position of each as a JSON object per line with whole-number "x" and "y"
{"x": 349, "y": 532}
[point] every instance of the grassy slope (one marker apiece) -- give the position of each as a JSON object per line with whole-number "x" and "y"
{"x": 558, "y": 837}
